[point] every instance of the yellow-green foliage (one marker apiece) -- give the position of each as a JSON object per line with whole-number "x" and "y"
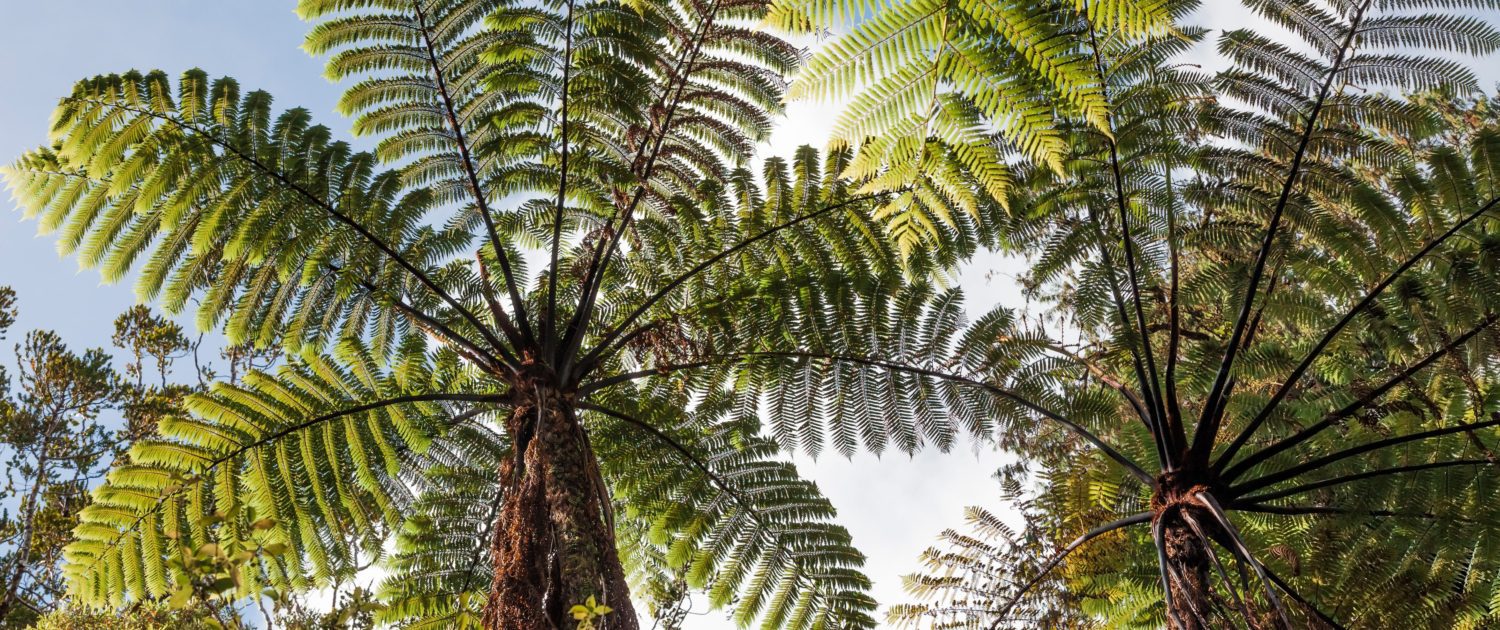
{"x": 286, "y": 461}
{"x": 145, "y": 617}
{"x": 942, "y": 93}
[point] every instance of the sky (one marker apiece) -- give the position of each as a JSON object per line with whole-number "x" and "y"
{"x": 894, "y": 506}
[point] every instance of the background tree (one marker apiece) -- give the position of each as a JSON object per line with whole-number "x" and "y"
{"x": 67, "y": 419}
{"x": 145, "y": 334}
{"x": 54, "y": 445}
{"x": 145, "y": 617}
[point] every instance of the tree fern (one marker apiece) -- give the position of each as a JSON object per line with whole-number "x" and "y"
{"x": 609, "y": 138}
{"x": 397, "y": 277}
{"x": 1281, "y": 310}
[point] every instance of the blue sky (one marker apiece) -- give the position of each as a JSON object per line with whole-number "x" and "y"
{"x": 46, "y": 46}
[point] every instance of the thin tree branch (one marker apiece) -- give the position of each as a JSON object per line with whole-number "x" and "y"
{"x": 489, "y": 532}
{"x": 594, "y": 386}
{"x": 1318, "y": 348}
{"x": 496, "y": 311}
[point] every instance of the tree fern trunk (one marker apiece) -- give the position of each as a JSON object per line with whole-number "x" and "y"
{"x": 1189, "y": 563}
{"x": 554, "y": 541}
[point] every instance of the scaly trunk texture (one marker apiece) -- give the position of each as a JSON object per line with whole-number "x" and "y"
{"x": 1174, "y": 502}
{"x": 554, "y": 543}
{"x": 1190, "y": 578}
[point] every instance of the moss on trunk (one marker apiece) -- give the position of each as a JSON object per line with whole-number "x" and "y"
{"x": 554, "y": 541}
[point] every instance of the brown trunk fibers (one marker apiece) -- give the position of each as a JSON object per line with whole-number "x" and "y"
{"x": 554, "y": 544}
{"x": 1188, "y": 565}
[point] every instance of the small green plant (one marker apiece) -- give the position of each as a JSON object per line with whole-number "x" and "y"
{"x": 213, "y": 573}
{"x": 587, "y": 612}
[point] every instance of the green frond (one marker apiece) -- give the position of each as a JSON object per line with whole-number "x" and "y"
{"x": 304, "y": 460}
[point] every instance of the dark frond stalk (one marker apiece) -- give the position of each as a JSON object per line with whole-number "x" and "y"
{"x": 1158, "y": 434}
{"x": 648, "y": 154}
{"x": 549, "y": 325}
{"x": 1318, "y": 348}
{"x": 451, "y": 113}
{"x": 1164, "y": 567}
{"x": 1306, "y": 603}
{"x": 667, "y": 101}
{"x": 1326, "y": 510}
{"x": 1352, "y": 408}
{"x": 1174, "y": 315}
{"x": 1213, "y": 556}
{"x": 1183, "y": 561}
{"x": 1369, "y": 474}
{"x": 430, "y": 327}
{"x": 282, "y": 179}
{"x": 1218, "y": 412}
{"x": 1056, "y": 559}
{"x": 614, "y": 332}
{"x": 496, "y": 311}
{"x": 1309, "y": 466}
{"x": 1247, "y": 305}
{"x": 504, "y": 360}
{"x": 1175, "y": 438}
{"x": 594, "y": 386}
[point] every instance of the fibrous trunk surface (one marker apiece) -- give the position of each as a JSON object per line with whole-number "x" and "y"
{"x": 1186, "y": 526}
{"x": 1189, "y": 564}
{"x": 554, "y": 544}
